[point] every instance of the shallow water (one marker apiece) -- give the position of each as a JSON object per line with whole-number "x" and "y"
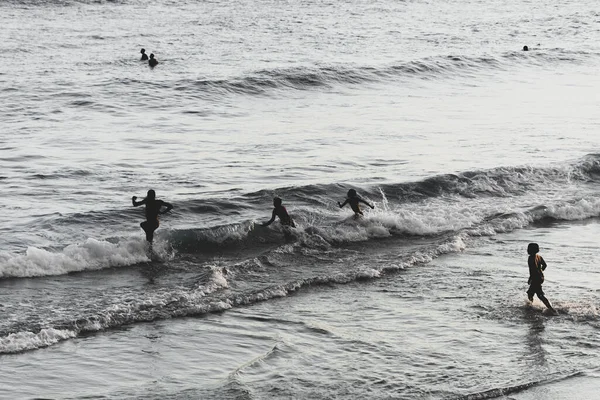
{"x": 469, "y": 148}
{"x": 458, "y": 326}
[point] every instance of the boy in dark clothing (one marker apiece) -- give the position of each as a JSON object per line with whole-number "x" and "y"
{"x": 153, "y": 62}
{"x": 354, "y": 199}
{"x": 281, "y": 212}
{"x": 153, "y": 207}
{"x": 536, "y": 275}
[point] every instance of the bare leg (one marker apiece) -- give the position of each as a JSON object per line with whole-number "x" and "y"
{"x": 149, "y": 230}
{"x": 546, "y": 302}
{"x": 530, "y": 293}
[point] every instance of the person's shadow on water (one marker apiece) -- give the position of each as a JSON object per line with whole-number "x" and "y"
{"x": 534, "y": 339}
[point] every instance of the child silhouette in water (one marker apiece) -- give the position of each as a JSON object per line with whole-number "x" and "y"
{"x": 153, "y": 62}
{"x": 281, "y": 212}
{"x": 536, "y": 275}
{"x": 153, "y": 207}
{"x": 354, "y": 199}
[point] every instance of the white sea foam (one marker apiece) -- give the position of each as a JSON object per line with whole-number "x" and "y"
{"x": 583, "y": 310}
{"x": 23, "y": 341}
{"x": 578, "y": 210}
{"x": 368, "y": 273}
{"x": 216, "y": 282}
{"x": 91, "y": 255}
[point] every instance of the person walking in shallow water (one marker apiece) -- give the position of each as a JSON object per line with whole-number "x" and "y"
{"x": 144, "y": 55}
{"x": 354, "y": 200}
{"x": 536, "y": 275}
{"x": 153, "y": 62}
{"x": 153, "y": 209}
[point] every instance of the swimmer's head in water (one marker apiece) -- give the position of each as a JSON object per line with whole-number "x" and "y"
{"x": 525, "y": 48}
{"x": 151, "y": 194}
{"x": 142, "y": 51}
{"x": 277, "y": 201}
{"x": 533, "y": 248}
{"x": 351, "y": 193}
{"x": 151, "y": 55}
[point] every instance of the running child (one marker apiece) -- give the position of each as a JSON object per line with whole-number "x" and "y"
{"x": 354, "y": 200}
{"x": 537, "y": 265}
{"x": 153, "y": 207}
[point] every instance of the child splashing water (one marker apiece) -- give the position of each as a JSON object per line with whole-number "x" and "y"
{"x": 354, "y": 200}
{"x": 286, "y": 221}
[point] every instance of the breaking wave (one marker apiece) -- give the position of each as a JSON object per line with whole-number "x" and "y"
{"x": 474, "y": 203}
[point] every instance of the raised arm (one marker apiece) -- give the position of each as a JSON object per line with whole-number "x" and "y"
{"x": 137, "y": 203}
{"x": 168, "y": 205}
{"x": 269, "y": 222}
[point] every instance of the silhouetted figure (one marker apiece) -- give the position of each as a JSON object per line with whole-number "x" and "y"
{"x": 525, "y": 48}
{"x": 153, "y": 207}
{"x": 354, "y": 199}
{"x": 144, "y": 55}
{"x": 153, "y": 62}
{"x": 284, "y": 218}
{"x": 281, "y": 212}
{"x": 536, "y": 275}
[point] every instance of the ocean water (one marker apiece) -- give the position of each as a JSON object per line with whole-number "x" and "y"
{"x": 468, "y": 147}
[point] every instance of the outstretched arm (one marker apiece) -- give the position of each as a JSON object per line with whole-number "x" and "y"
{"x": 365, "y": 202}
{"x": 343, "y": 204}
{"x": 168, "y": 205}
{"x": 137, "y": 203}
{"x": 269, "y": 222}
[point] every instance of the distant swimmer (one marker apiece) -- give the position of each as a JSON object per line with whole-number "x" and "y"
{"x": 281, "y": 212}
{"x": 536, "y": 275}
{"x": 153, "y": 62}
{"x": 354, "y": 200}
{"x": 144, "y": 55}
{"x": 153, "y": 207}
{"x": 525, "y": 48}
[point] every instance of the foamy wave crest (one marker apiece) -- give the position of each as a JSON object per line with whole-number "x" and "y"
{"x": 322, "y": 228}
{"x": 168, "y": 304}
{"x": 383, "y": 223}
{"x": 577, "y": 210}
{"x": 454, "y": 245}
{"x": 23, "y": 341}
{"x": 91, "y": 255}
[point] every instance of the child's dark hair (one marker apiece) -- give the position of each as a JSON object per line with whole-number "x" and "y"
{"x": 277, "y": 201}
{"x": 533, "y": 248}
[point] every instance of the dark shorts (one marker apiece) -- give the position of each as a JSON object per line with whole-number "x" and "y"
{"x": 149, "y": 225}
{"x": 535, "y": 288}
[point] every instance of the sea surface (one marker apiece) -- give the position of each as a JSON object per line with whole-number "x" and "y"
{"x": 468, "y": 146}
